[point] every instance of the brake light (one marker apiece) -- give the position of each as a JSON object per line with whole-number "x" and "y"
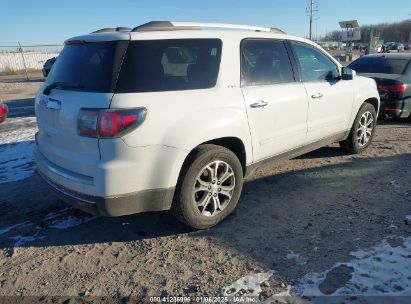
{"x": 109, "y": 123}
{"x": 393, "y": 88}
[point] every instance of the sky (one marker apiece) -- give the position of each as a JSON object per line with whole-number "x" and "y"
{"x": 52, "y": 22}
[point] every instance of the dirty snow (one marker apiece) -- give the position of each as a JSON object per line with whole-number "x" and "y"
{"x": 20, "y": 134}
{"x": 56, "y": 220}
{"x": 248, "y": 286}
{"x": 70, "y": 222}
{"x": 300, "y": 260}
{"x": 22, "y": 240}
{"x": 16, "y": 151}
{"x": 19, "y": 225}
{"x": 383, "y": 270}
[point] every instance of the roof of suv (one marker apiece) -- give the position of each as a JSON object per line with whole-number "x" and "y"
{"x": 180, "y": 30}
{"x": 156, "y": 29}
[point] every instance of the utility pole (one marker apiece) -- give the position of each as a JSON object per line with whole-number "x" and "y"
{"x": 311, "y": 10}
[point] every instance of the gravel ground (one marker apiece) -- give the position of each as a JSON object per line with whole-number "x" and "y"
{"x": 299, "y": 225}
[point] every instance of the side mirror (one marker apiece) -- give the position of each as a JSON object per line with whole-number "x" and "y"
{"x": 347, "y": 74}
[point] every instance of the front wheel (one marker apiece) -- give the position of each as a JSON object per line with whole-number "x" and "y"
{"x": 362, "y": 131}
{"x": 209, "y": 188}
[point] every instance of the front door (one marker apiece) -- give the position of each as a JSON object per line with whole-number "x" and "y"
{"x": 276, "y": 104}
{"x": 330, "y": 97}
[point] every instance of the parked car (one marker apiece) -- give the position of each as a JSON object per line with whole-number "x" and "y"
{"x": 394, "y": 47}
{"x": 4, "y": 110}
{"x": 48, "y": 65}
{"x": 392, "y": 72}
{"x": 175, "y": 115}
{"x": 407, "y": 47}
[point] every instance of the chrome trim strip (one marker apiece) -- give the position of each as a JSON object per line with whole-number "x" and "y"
{"x": 67, "y": 174}
{"x": 61, "y": 190}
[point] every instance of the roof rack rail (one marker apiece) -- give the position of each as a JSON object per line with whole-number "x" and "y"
{"x": 112, "y": 29}
{"x": 172, "y": 26}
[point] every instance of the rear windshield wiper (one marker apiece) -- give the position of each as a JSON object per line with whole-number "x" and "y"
{"x": 62, "y": 85}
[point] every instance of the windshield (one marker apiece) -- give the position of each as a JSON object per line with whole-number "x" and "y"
{"x": 91, "y": 67}
{"x": 379, "y": 65}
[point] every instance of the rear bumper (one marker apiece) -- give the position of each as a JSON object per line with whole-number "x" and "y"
{"x": 142, "y": 201}
{"x": 399, "y": 108}
{"x": 115, "y": 205}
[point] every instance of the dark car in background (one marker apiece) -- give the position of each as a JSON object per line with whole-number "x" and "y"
{"x": 392, "y": 72}
{"x": 47, "y": 66}
{"x": 394, "y": 47}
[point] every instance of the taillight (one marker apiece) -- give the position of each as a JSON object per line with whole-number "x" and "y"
{"x": 393, "y": 88}
{"x": 87, "y": 122}
{"x": 109, "y": 123}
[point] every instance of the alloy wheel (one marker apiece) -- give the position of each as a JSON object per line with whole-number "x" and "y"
{"x": 214, "y": 188}
{"x": 365, "y": 128}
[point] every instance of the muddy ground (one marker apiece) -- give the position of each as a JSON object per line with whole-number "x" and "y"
{"x": 295, "y": 219}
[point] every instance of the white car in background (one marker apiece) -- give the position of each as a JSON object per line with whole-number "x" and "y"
{"x": 175, "y": 115}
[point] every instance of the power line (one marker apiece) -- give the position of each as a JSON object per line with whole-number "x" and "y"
{"x": 312, "y": 10}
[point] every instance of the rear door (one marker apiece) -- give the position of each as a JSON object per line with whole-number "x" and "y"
{"x": 330, "y": 98}
{"x": 276, "y": 104}
{"x": 86, "y": 72}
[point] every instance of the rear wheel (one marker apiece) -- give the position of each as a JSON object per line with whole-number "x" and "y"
{"x": 362, "y": 131}
{"x": 209, "y": 187}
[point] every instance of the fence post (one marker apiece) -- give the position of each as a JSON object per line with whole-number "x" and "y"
{"x": 24, "y": 61}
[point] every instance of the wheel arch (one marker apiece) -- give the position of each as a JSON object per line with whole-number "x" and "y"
{"x": 234, "y": 144}
{"x": 374, "y": 102}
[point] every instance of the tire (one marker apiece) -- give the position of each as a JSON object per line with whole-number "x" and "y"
{"x": 200, "y": 166}
{"x": 356, "y": 142}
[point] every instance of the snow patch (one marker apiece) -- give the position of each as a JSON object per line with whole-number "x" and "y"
{"x": 16, "y": 151}
{"x": 248, "y": 286}
{"x": 16, "y": 161}
{"x": 19, "y": 225}
{"x": 300, "y": 260}
{"x": 70, "y": 222}
{"x": 383, "y": 270}
{"x": 22, "y": 133}
{"x": 22, "y": 240}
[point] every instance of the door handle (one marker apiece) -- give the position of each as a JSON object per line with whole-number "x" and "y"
{"x": 259, "y": 104}
{"x": 317, "y": 95}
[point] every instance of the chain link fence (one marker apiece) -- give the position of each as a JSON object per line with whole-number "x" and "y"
{"x": 26, "y": 59}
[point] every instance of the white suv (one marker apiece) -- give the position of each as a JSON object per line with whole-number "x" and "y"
{"x": 175, "y": 115}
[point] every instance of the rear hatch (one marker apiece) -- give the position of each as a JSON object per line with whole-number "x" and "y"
{"x": 83, "y": 76}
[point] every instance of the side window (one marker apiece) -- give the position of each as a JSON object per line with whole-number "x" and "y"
{"x": 314, "y": 65}
{"x": 265, "y": 62}
{"x": 170, "y": 65}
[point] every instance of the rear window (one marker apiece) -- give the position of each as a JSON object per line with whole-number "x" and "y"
{"x": 91, "y": 67}
{"x": 379, "y": 65}
{"x": 170, "y": 65}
